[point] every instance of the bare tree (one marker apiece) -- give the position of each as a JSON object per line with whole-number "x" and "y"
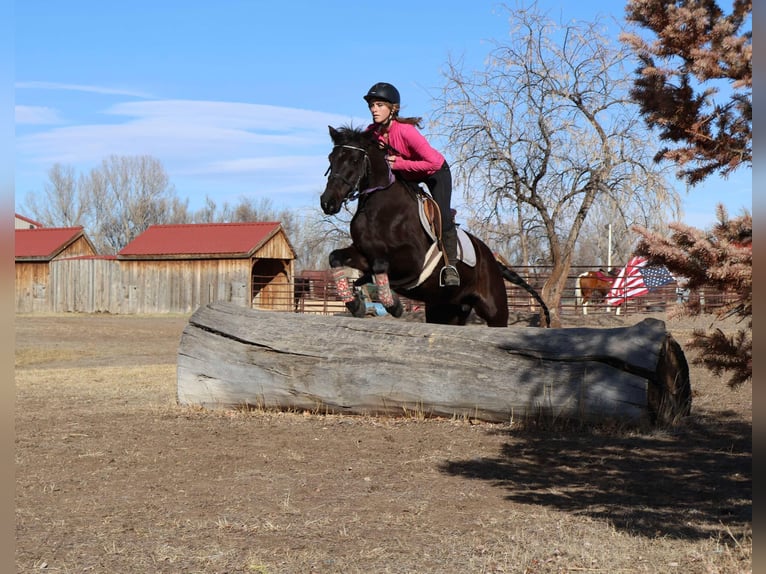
{"x": 61, "y": 203}
{"x": 207, "y": 213}
{"x": 695, "y": 51}
{"x": 546, "y": 132}
{"x": 126, "y": 195}
{"x": 118, "y": 200}
{"x": 319, "y": 235}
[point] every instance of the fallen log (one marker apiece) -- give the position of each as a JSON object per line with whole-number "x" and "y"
{"x": 234, "y": 357}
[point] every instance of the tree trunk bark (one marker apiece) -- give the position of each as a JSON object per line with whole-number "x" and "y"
{"x": 233, "y": 357}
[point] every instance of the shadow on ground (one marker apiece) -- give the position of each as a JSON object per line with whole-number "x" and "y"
{"x": 686, "y": 483}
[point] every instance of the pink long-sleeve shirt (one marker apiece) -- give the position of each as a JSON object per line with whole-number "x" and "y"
{"x": 416, "y": 159}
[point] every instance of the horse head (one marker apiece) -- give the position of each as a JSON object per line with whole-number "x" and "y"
{"x": 354, "y": 157}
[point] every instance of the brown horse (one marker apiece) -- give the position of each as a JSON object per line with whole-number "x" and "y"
{"x": 393, "y": 250}
{"x": 593, "y": 287}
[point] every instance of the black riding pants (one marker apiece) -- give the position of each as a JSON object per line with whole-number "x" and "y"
{"x": 440, "y": 186}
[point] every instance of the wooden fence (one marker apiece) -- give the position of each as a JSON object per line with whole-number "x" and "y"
{"x": 103, "y": 285}
{"x": 314, "y": 292}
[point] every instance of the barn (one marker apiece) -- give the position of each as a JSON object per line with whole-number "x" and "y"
{"x": 35, "y": 249}
{"x": 177, "y": 268}
{"x": 21, "y": 222}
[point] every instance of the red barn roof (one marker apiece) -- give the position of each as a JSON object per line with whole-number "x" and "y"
{"x": 200, "y": 240}
{"x": 30, "y": 223}
{"x": 44, "y": 242}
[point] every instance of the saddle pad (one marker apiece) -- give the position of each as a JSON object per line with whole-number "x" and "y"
{"x": 466, "y": 252}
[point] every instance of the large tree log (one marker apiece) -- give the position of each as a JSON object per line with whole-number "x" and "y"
{"x": 231, "y": 357}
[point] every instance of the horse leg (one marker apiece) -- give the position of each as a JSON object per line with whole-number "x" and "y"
{"x": 397, "y": 309}
{"x": 447, "y": 314}
{"x": 351, "y": 297}
{"x": 602, "y": 294}
{"x": 497, "y": 317}
{"x": 386, "y": 296}
{"x": 349, "y": 257}
{"x": 493, "y": 306}
{"x": 340, "y": 261}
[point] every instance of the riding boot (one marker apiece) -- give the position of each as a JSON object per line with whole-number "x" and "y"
{"x": 448, "y": 276}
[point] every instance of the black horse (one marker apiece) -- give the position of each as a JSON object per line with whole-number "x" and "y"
{"x": 393, "y": 248}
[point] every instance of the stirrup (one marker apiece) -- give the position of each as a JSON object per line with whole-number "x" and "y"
{"x": 453, "y": 277}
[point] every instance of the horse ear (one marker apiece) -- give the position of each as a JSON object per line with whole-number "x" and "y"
{"x": 333, "y": 132}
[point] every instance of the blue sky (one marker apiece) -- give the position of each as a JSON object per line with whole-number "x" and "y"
{"x": 234, "y": 97}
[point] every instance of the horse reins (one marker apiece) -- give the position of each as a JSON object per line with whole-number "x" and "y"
{"x": 355, "y": 191}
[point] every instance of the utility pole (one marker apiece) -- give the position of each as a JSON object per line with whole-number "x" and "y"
{"x": 609, "y": 251}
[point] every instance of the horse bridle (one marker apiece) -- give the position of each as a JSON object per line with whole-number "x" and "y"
{"x": 355, "y": 192}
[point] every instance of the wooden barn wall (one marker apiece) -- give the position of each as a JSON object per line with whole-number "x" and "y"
{"x": 31, "y": 286}
{"x": 78, "y": 248}
{"x": 183, "y": 285}
{"x": 278, "y": 247}
{"x": 136, "y": 287}
{"x": 85, "y": 286}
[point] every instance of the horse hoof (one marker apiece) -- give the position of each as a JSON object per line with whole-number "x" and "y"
{"x": 396, "y": 310}
{"x": 357, "y": 308}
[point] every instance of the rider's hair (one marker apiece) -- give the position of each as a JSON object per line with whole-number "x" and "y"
{"x": 415, "y": 121}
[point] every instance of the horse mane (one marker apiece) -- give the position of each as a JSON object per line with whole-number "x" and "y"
{"x": 362, "y": 138}
{"x": 367, "y": 139}
{"x": 347, "y": 135}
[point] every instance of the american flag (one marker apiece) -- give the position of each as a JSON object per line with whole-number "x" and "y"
{"x": 637, "y": 278}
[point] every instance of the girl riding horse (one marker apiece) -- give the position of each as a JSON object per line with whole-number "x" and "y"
{"x": 411, "y": 156}
{"x": 392, "y": 247}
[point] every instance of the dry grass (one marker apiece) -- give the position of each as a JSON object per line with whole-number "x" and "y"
{"x": 113, "y": 476}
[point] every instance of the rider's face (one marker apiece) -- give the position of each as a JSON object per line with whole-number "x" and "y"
{"x": 380, "y": 110}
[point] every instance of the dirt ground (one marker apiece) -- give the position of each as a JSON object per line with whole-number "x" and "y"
{"x": 113, "y": 476}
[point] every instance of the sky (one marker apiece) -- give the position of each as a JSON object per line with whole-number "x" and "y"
{"x": 234, "y": 97}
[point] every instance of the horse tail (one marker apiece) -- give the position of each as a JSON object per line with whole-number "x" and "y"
{"x": 517, "y": 279}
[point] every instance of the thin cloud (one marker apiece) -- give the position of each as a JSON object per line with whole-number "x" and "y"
{"x": 36, "y": 115}
{"x": 190, "y": 132}
{"x": 234, "y": 115}
{"x": 252, "y": 164}
{"x": 186, "y": 131}
{"x": 83, "y": 88}
{"x": 204, "y": 144}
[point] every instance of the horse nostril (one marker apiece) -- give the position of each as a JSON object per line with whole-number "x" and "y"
{"x": 328, "y": 207}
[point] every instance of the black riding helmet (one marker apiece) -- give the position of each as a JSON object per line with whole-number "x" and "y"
{"x": 383, "y": 91}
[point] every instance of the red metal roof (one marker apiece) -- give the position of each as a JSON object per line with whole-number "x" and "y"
{"x": 31, "y": 222}
{"x": 202, "y": 239}
{"x": 88, "y": 257}
{"x": 44, "y": 242}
